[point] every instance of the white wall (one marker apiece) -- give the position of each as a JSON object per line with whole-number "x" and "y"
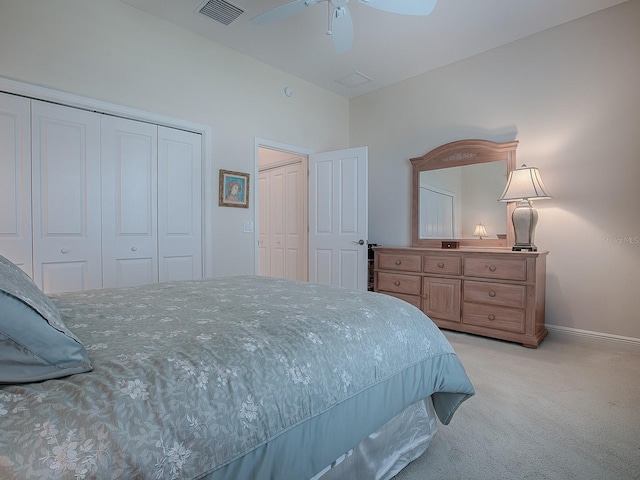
{"x": 571, "y": 96}
{"x": 110, "y": 51}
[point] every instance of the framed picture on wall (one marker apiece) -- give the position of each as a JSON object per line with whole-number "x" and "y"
{"x": 233, "y": 189}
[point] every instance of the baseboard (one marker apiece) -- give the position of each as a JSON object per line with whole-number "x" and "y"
{"x": 604, "y": 340}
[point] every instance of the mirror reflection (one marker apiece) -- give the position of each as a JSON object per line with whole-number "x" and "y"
{"x": 452, "y": 201}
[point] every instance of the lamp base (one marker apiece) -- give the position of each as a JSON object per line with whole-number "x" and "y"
{"x": 527, "y": 248}
{"x": 525, "y": 218}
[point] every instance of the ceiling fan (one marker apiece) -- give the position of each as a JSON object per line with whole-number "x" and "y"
{"x": 340, "y": 25}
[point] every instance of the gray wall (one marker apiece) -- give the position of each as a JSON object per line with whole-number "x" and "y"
{"x": 571, "y": 96}
{"x": 107, "y": 50}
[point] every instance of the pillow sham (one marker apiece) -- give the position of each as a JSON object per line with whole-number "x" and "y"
{"x": 34, "y": 342}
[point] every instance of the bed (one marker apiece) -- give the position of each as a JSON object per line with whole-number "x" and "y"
{"x": 229, "y": 378}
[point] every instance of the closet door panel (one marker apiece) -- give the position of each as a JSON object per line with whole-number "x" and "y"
{"x": 66, "y": 198}
{"x": 295, "y": 236}
{"x": 129, "y": 202}
{"x": 278, "y": 223}
{"x": 264, "y": 224}
{"x": 15, "y": 181}
{"x": 179, "y": 205}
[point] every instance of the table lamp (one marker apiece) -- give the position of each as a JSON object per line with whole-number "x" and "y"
{"x": 523, "y": 185}
{"x": 480, "y": 231}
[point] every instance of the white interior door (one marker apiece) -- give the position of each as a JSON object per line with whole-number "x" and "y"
{"x": 66, "y": 198}
{"x": 129, "y": 202}
{"x": 15, "y": 181}
{"x": 179, "y": 205}
{"x": 338, "y": 223}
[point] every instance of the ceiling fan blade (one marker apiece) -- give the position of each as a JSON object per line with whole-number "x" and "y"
{"x": 341, "y": 29}
{"x": 283, "y": 11}
{"x": 404, "y": 7}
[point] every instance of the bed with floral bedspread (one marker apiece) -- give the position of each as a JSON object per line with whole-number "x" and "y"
{"x": 229, "y": 378}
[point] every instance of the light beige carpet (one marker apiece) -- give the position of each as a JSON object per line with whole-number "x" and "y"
{"x": 562, "y": 411}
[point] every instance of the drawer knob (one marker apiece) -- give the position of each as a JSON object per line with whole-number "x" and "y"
{"x": 134, "y": 248}
{"x": 398, "y": 262}
{"x": 440, "y": 265}
{"x": 492, "y": 317}
{"x": 492, "y": 268}
{"x": 397, "y": 283}
{"x": 492, "y": 293}
{"x": 64, "y": 251}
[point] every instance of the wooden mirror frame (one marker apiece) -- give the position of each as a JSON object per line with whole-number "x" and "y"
{"x": 458, "y": 154}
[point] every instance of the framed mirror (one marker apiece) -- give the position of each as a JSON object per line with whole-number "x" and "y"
{"x": 455, "y": 188}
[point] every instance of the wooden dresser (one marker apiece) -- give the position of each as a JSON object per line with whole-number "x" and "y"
{"x": 492, "y": 292}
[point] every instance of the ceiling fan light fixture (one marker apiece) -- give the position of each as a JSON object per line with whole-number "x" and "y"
{"x": 340, "y": 23}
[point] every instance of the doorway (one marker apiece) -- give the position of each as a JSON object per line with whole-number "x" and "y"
{"x": 282, "y": 213}
{"x": 334, "y": 223}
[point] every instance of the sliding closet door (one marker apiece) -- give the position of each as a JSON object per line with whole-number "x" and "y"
{"x": 66, "y": 198}
{"x": 179, "y": 205}
{"x": 129, "y": 202}
{"x": 15, "y": 181}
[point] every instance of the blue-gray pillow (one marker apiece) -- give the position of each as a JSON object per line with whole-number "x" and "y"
{"x": 34, "y": 342}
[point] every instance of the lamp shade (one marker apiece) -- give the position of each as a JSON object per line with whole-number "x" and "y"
{"x": 523, "y": 184}
{"x": 480, "y": 231}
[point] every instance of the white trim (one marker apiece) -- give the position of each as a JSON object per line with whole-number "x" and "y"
{"x": 41, "y": 93}
{"x": 605, "y": 340}
{"x": 260, "y": 142}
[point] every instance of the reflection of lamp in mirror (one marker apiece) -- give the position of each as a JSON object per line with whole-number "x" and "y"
{"x": 523, "y": 185}
{"x": 480, "y": 231}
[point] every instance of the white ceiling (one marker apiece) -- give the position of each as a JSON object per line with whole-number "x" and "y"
{"x": 387, "y": 47}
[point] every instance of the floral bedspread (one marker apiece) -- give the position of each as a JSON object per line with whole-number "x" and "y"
{"x": 190, "y": 376}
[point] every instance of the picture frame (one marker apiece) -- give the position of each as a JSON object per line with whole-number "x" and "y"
{"x": 233, "y": 190}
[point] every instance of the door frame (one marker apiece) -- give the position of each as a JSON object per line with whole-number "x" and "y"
{"x": 263, "y": 143}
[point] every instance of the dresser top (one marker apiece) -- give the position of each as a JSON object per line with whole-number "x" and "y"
{"x": 462, "y": 250}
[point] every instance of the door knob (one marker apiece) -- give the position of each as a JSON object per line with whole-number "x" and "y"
{"x": 359, "y": 242}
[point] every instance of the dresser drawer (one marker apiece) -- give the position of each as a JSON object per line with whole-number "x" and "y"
{"x": 503, "y": 268}
{"x": 399, "y": 283}
{"x": 495, "y": 294}
{"x": 412, "y": 299}
{"x": 405, "y": 263}
{"x": 446, "y": 265}
{"x": 499, "y": 318}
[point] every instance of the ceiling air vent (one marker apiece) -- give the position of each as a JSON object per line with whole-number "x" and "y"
{"x": 354, "y": 80}
{"x": 221, "y": 11}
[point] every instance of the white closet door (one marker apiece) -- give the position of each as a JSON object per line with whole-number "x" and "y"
{"x": 129, "y": 202}
{"x": 264, "y": 223}
{"x": 295, "y": 228}
{"x": 15, "y": 181}
{"x": 66, "y": 198}
{"x": 179, "y": 205}
{"x": 278, "y": 223}
{"x": 282, "y": 244}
